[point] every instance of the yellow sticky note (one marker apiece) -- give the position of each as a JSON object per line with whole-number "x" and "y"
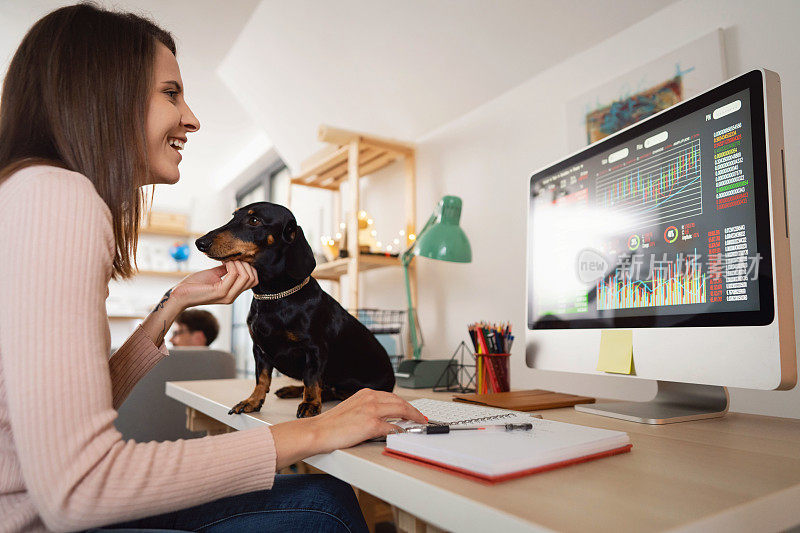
{"x": 616, "y": 351}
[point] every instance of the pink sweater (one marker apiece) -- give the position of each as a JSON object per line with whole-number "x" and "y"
{"x": 63, "y": 465}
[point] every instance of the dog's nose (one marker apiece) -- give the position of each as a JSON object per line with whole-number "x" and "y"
{"x": 203, "y": 244}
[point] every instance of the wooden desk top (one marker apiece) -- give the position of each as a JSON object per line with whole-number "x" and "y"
{"x": 712, "y": 472}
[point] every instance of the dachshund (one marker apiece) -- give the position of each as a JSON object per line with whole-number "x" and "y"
{"x": 296, "y": 327}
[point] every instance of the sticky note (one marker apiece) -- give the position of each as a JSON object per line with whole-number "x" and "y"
{"x": 616, "y": 351}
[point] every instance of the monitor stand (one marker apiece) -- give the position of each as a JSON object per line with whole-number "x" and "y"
{"x": 674, "y": 402}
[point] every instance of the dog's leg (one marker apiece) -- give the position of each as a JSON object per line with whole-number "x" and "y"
{"x": 290, "y": 391}
{"x": 312, "y": 400}
{"x": 332, "y": 394}
{"x": 312, "y": 388}
{"x": 254, "y": 402}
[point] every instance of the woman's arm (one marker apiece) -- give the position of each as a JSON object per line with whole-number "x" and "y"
{"x": 133, "y": 360}
{"x": 141, "y": 351}
{"x": 145, "y": 347}
{"x": 160, "y": 319}
{"x": 54, "y": 346}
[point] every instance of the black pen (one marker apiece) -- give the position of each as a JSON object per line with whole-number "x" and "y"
{"x": 433, "y": 429}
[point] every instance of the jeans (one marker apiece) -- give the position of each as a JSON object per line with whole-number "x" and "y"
{"x": 306, "y": 502}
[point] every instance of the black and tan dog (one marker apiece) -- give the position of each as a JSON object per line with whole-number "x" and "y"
{"x": 296, "y": 326}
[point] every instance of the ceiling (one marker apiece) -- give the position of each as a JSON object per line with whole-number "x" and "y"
{"x": 402, "y": 69}
{"x": 275, "y": 70}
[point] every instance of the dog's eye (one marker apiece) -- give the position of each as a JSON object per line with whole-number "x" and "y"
{"x": 253, "y": 221}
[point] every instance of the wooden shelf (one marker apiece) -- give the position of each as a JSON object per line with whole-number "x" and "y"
{"x": 126, "y": 317}
{"x": 333, "y": 270}
{"x": 332, "y": 172}
{"x": 169, "y": 233}
{"x": 165, "y": 273}
{"x": 347, "y": 158}
{"x": 328, "y": 168}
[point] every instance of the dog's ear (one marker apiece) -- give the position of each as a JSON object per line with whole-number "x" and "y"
{"x": 290, "y": 231}
{"x": 300, "y": 260}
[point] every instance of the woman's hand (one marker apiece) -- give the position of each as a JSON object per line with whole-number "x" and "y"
{"x": 361, "y": 417}
{"x": 219, "y": 285}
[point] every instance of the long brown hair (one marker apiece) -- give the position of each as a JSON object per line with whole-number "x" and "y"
{"x": 75, "y": 95}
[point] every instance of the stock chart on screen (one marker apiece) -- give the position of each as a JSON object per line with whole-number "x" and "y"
{"x": 663, "y": 223}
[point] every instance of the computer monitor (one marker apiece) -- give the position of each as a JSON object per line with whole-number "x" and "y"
{"x": 674, "y": 228}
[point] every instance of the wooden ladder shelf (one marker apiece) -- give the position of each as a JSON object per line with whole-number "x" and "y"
{"x": 349, "y": 156}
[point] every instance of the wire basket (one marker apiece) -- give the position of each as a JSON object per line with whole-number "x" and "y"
{"x": 389, "y": 326}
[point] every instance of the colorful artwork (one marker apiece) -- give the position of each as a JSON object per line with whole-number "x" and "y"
{"x": 626, "y": 111}
{"x": 640, "y": 93}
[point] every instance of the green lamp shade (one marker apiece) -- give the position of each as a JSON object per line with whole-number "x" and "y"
{"x": 445, "y": 240}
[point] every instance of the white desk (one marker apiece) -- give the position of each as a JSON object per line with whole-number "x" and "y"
{"x": 737, "y": 473}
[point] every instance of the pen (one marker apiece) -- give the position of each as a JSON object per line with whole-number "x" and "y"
{"x": 433, "y": 429}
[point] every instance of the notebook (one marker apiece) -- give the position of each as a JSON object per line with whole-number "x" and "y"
{"x": 493, "y": 456}
{"x": 441, "y": 412}
{"x": 525, "y": 400}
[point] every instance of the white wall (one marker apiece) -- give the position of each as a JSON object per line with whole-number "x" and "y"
{"x": 487, "y": 156}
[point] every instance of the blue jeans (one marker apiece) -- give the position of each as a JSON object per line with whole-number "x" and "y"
{"x": 304, "y": 502}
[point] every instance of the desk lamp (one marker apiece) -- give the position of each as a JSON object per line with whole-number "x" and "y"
{"x": 443, "y": 239}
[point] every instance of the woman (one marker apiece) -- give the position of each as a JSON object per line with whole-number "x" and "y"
{"x": 92, "y": 110}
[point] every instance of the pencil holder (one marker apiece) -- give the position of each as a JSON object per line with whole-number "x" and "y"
{"x": 492, "y": 372}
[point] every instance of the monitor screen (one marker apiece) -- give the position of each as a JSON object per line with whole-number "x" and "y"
{"x": 665, "y": 223}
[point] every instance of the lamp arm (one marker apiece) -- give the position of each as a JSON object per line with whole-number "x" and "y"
{"x": 405, "y": 260}
{"x": 412, "y": 323}
{"x": 408, "y": 255}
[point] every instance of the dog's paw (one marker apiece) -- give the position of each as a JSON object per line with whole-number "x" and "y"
{"x": 306, "y": 410}
{"x": 246, "y": 406}
{"x": 290, "y": 391}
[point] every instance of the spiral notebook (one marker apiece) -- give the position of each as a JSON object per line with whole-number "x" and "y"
{"x": 440, "y": 412}
{"x": 494, "y": 456}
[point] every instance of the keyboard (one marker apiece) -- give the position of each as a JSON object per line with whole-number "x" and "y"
{"x": 457, "y": 413}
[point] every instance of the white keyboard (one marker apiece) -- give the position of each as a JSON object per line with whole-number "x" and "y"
{"x": 455, "y": 413}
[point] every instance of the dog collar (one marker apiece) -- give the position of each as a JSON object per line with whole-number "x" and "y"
{"x": 279, "y": 295}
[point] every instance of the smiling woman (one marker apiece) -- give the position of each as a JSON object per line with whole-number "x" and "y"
{"x": 83, "y": 79}
{"x": 169, "y": 119}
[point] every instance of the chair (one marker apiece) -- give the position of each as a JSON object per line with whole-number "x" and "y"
{"x": 148, "y": 414}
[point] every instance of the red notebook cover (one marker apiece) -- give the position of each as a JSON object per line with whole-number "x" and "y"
{"x": 493, "y": 480}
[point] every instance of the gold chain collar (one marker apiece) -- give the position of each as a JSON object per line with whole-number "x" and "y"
{"x": 279, "y": 295}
